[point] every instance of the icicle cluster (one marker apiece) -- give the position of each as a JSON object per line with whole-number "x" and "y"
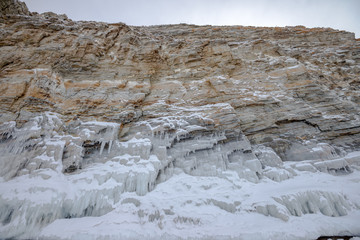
{"x": 83, "y": 169}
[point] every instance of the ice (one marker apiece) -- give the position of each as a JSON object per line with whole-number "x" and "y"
{"x": 353, "y": 158}
{"x": 267, "y": 156}
{"x": 273, "y": 211}
{"x": 172, "y": 177}
{"x": 136, "y": 147}
{"x": 21, "y": 147}
{"x": 6, "y": 129}
{"x": 276, "y": 174}
{"x": 102, "y": 132}
{"x": 207, "y": 207}
{"x": 33, "y": 203}
{"x": 307, "y": 151}
{"x": 305, "y": 167}
{"x": 310, "y": 202}
{"x": 335, "y": 166}
{"x": 178, "y": 143}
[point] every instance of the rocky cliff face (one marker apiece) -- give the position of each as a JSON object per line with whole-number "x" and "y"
{"x": 291, "y": 83}
{"x": 128, "y": 108}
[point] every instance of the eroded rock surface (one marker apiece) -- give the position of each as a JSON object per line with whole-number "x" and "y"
{"x": 108, "y": 114}
{"x": 290, "y": 83}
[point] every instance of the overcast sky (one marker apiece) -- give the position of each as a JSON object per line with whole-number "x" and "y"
{"x": 338, "y": 14}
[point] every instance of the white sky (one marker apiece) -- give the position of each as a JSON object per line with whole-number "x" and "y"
{"x": 338, "y": 14}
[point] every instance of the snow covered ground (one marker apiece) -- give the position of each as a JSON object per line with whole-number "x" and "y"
{"x": 186, "y": 207}
{"x": 192, "y": 207}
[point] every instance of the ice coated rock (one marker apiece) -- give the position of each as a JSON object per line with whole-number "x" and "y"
{"x": 267, "y": 157}
{"x": 333, "y": 166}
{"x": 273, "y": 211}
{"x": 310, "y": 202}
{"x": 353, "y": 158}
{"x": 277, "y": 174}
{"x": 329, "y": 204}
{"x": 176, "y": 132}
{"x": 34, "y": 145}
{"x": 45, "y": 149}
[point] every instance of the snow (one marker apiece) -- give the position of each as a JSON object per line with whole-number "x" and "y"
{"x": 208, "y": 207}
{"x": 168, "y": 180}
{"x": 188, "y": 206}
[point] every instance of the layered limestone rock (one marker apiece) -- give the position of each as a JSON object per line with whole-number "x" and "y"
{"x": 101, "y": 114}
{"x": 284, "y": 85}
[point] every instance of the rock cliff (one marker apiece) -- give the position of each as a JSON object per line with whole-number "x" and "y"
{"x": 113, "y": 111}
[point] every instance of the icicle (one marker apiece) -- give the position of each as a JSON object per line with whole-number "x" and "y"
{"x": 110, "y": 145}
{"x": 102, "y": 146}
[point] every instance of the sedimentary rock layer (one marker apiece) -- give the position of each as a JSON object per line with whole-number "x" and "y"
{"x": 292, "y": 82}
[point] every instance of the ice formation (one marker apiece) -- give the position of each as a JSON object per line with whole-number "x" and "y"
{"x": 177, "y": 172}
{"x": 110, "y": 131}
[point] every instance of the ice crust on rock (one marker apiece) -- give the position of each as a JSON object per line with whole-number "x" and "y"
{"x": 329, "y": 204}
{"x": 84, "y": 169}
{"x": 34, "y": 145}
{"x": 309, "y": 202}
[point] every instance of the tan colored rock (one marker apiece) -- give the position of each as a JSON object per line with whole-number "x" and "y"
{"x": 13, "y": 7}
{"x": 290, "y": 83}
